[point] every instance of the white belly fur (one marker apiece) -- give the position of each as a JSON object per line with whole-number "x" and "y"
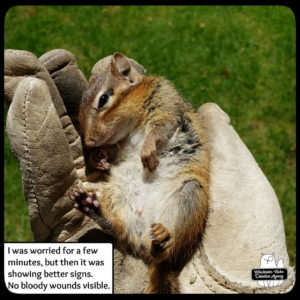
{"x": 140, "y": 198}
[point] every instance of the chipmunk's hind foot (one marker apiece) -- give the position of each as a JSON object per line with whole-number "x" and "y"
{"x": 161, "y": 241}
{"x": 83, "y": 200}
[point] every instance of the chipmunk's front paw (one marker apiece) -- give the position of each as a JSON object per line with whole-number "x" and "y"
{"x": 98, "y": 159}
{"x": 83, "y": 200}
{"x": 149, "y": 159}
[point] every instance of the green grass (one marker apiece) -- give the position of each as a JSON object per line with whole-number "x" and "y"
{"x": 241, "y": 57}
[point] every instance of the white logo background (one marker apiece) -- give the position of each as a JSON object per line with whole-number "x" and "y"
{"x": 267, "y": 261}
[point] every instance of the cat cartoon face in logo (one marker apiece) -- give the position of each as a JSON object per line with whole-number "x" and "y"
{"x": 268, "y": 261}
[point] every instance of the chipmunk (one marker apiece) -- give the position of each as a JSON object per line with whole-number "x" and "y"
{"x": 152, "y": 144}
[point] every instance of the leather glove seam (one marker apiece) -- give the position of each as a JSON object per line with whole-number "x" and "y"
{"x": 28, "y": 156}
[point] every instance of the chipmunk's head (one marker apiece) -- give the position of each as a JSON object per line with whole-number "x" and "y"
{"x": 103, "y": 117}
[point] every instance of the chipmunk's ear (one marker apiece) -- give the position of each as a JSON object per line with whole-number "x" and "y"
{"x": 121, "y": 66}
{"x": 121, "y": 63}
{"x": 92, "y": 79}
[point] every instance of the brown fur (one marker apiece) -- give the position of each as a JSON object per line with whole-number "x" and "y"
{"x": 174, "y": 161}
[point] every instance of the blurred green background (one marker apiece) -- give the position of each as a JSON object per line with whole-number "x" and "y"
{"x": 241, "y": 57}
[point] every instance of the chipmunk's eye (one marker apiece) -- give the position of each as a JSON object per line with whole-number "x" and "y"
{"x": 102, "y": 101}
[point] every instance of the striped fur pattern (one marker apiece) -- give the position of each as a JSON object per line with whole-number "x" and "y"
{"x": 155, "y": 196}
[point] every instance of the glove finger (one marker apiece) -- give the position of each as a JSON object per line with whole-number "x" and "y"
{"x": 243, "y": 208}
{"x": 41, "y": 146}
{"x": 20, "y": 64}
{"x": 68, "y": 78}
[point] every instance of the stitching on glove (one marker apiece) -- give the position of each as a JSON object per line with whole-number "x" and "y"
{"x": 28, "y": 160}
{"x": 234, "y": 286}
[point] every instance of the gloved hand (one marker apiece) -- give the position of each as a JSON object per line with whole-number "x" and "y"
{"x": 244, "y": 219}
{"x": 43, "y": 138}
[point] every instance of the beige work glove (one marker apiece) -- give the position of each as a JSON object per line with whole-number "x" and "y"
{"x": 244, "y": 219}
